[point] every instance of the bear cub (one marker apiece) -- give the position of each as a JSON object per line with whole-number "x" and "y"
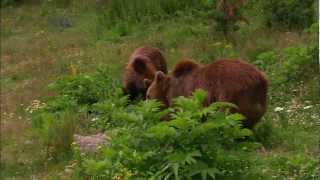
{"x": 143, "y": 63}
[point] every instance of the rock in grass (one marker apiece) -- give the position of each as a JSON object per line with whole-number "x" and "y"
{"x": 60, "y": 22}
{"x": 90, "y": 143}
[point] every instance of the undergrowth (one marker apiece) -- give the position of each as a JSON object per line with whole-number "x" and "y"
{"x": 197, "y": 142}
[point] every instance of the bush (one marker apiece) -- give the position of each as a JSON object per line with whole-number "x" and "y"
{"x": 291, "y": 64}
{"x": 56, "y": 120}
{"x": 197, "y": 142}
{"x": 295, "y": 58}
{"x": 5, "y": 3}
{"x": 266, "y": 59}
{"x": 293, "y": 14}
{"x": 86, "y": 89}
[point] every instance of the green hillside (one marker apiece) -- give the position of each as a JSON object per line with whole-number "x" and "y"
{"x": 62, "y": 64}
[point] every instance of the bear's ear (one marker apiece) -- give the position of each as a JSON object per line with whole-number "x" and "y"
{"x": 159, "y": 76}
{"x": 147, "y": 82}
{"x": 184, "y": 67}
{"x": 139, "y": 65}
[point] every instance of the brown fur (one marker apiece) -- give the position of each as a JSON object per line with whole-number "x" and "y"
{"x": 224, "y": 80}
{"x": 143, "y": 63}
{"x": 184, "y": 67}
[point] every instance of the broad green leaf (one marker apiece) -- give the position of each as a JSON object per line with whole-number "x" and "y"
{"x": 203, "y": 169}
{"x": 168, "y": 176}
{"x": 175, "y": 168}
{"x": 199, "y": 95}
{"x": 204, "y": 128}
{"x": 161, "y": 131}
{"x": 246, "y": 132}
{"x": 180, "y": 123}
{"x": 95, "y": 167}
{"x": 236, "y": 117}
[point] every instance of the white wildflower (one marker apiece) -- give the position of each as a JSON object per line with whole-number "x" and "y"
{"x": 94, "y": 119}
{"x": 278, "y": 109}
{"x": 307, "y": 107}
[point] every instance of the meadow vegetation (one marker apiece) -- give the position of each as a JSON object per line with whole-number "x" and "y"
{"x": 61, "y": 69}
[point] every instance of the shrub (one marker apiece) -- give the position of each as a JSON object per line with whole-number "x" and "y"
{"x": 291, "y": 64}
{"x": 197, "y": 142}
{"x": 5, "y": 3}
{"x": 86, "y": 89}
{"x": 266, "y": 59}
{"x": 56, "y": 120}
{"x": 295, "y": 58}
{"x": 293, "y": 14}
{"x": 314, "y": 36}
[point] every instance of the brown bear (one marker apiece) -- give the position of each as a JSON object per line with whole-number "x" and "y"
{"x": 143, "y": 63}
{"x": 225, "y": 80}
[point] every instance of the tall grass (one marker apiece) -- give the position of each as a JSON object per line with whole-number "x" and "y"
{"x": 117, "y": 18}
{"x": 133, "y": 11}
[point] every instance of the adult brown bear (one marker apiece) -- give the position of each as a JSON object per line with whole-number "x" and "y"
{"x": 225, "y": 80}
{"x": 143, "y": 64}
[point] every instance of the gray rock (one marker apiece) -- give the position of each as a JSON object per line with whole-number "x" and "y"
{"x": 90, "y": 143}
{"x": 60, "y": 22}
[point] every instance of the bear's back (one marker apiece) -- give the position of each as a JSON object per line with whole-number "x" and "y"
{"x": 231, "y": 74}
{"x": 237, "y": 82}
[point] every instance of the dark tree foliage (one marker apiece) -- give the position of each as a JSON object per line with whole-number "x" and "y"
{"x": 293, "y": 14}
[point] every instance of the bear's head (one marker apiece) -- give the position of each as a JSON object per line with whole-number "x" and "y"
{"x": 158, "y": 88}
{"x": 144, "y": 68}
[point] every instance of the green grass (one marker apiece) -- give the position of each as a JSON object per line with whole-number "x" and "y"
{"x": 35, "y": 53}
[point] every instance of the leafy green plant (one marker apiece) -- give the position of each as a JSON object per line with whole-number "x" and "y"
{"x": 291, "y": 63}
{"x": 198, "y": 142}
{"x": 294, "y": 59}
{"x": 266, "y": 59}
{"x": 313, "y": 47}
{"x": 57, "y": 119}
{"x": 86, "y": 89}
